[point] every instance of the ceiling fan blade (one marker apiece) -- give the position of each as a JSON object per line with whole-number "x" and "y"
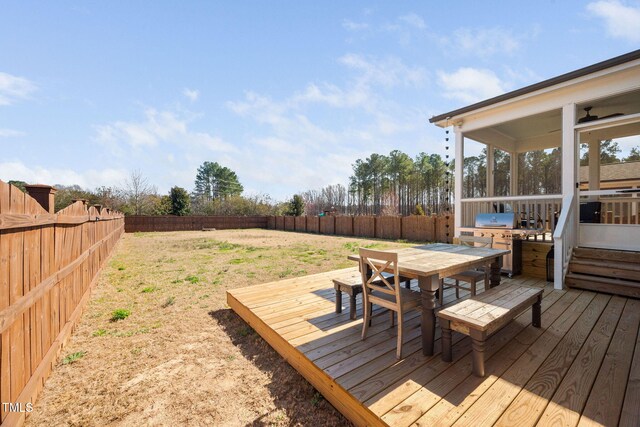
{"x": 611, "y": 115}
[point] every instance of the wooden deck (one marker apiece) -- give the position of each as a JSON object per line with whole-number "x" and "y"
{"x": 581, "y": 368}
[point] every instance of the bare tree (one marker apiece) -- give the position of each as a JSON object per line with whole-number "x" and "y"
{"x": 138, "y": 192}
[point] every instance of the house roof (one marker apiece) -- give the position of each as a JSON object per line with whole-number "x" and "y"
{"x": 614, "y": 172}
{"x": 628, "y": 57}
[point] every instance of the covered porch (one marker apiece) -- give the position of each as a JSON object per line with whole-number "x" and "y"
{"x": 522, "y": 152}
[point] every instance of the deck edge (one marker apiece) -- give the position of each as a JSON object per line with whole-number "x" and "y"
{"x": 340, "y": 398}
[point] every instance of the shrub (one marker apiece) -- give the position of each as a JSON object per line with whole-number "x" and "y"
{"x": 73, "y": 357}
{"x": 120, "y": 314}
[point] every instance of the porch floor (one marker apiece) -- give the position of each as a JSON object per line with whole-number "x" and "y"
{"x": 582, "y": 367}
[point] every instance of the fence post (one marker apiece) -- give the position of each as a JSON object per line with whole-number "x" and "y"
{"x": 375, "y": 226}
{"x": 44, "y": 195}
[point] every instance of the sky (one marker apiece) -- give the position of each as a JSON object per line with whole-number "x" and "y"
{"x": 288, "y": 94}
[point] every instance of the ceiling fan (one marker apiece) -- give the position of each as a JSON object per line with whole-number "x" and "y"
{"x": 590, "y": 118}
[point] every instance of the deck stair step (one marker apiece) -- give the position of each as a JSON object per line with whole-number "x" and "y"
{"x": 613, "y": 269}
{"x": 603, "y": 284}
{"x": 607, "y": 255}
{"x": 603, "y": 270}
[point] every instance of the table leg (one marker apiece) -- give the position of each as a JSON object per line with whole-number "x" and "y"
{"x": 495, "y": 273}
{"x": 352, "y": 305}
{"x": 428, "y": 288}
{"x": 338, "y": 301}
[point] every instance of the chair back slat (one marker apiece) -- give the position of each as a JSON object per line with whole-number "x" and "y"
{"x": 378, "y": 262}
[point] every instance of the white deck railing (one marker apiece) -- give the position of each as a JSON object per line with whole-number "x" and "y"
{"x": 533, "y": 211}
{"x": 564, "y": 239}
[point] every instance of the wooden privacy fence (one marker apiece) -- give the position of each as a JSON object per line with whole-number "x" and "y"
{"x": 135, "y": 223}
{"x": 48, "y": 264}
{"x": 436, "y": 228}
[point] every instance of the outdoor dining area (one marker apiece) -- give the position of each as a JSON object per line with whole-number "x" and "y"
{"x": 435, "y": 335}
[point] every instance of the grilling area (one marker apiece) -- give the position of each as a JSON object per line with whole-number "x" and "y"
{"x": 507, "y": 232}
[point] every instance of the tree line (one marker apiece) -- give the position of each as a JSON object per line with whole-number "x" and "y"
{"x": 217, "y": 191}
{"x": 393, "y": 184}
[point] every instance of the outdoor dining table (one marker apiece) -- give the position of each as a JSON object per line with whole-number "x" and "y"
{"x": 430, "y": 263}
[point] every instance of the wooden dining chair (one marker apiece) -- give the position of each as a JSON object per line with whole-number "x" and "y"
{"x": 472, "y": 277}
{"x": 385, "y": 291}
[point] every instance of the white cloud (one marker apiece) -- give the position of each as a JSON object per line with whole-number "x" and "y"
{"x": 192, "y": 94}
{"x": 413, "y": 20}
{"x": 482, "y": 42}
{"x": 621, "y": 21}
{"x": 158, "y": 127}
{"x": 386, "y": 72}
{"x": 10, "y": 133}
{"x": 13, "y": 88}
{"x": 349, "y": 25}
{"x": 406, "y": 27}
{"x": 332, "y": 95}
{"x": 274, "y": 144}
{"x": 470, "y": 85}
{"x": 90, "y": 178}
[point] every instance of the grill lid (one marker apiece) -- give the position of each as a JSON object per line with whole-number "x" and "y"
{"x": 496, "y": 220}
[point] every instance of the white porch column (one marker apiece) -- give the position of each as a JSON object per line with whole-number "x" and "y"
{"x": 569, "y": 179}
{"x": 569, "y": 152}
{"x": 594, "y": 167}
{"x": 490, "y": 174}
{"x": 513, "y": 173}
{"x": 458, "y": 181}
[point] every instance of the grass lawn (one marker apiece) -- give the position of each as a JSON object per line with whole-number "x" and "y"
{"x": 157, "y": 344}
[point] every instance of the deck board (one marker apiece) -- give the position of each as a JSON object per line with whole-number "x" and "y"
{"x": 584, "y": 356}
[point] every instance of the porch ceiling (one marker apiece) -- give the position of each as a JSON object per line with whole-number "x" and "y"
{"x": 535, "y": 132}
{"x": 543, "y": 131}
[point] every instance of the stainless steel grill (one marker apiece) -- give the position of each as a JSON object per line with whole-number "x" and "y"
{"x": 502, "y": 227}
{"x": 505, "y": 220}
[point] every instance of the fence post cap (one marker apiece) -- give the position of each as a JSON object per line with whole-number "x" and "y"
{"x": 44, "y": 195}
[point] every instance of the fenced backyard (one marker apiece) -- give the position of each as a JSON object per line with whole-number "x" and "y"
{"x": 48, "y": 264}
{"x": 159, "y": 340}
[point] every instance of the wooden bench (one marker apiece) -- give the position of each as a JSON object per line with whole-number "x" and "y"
{"x": 351, "y": 284}
{"x": 481, "y": 316}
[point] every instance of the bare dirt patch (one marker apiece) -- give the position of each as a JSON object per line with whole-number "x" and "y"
{"x": 157, "y": 344}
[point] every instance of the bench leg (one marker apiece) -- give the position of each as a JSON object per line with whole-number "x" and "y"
{"x": 478, "y": 357}
{"x": 352, "y": 306}
{"x": 477, "y": 345}
{"x": 407, "y": 284}
{"x": 537, "y": 313}
{"x": 447, "y": 355}
{"x": 338, "y": 301}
